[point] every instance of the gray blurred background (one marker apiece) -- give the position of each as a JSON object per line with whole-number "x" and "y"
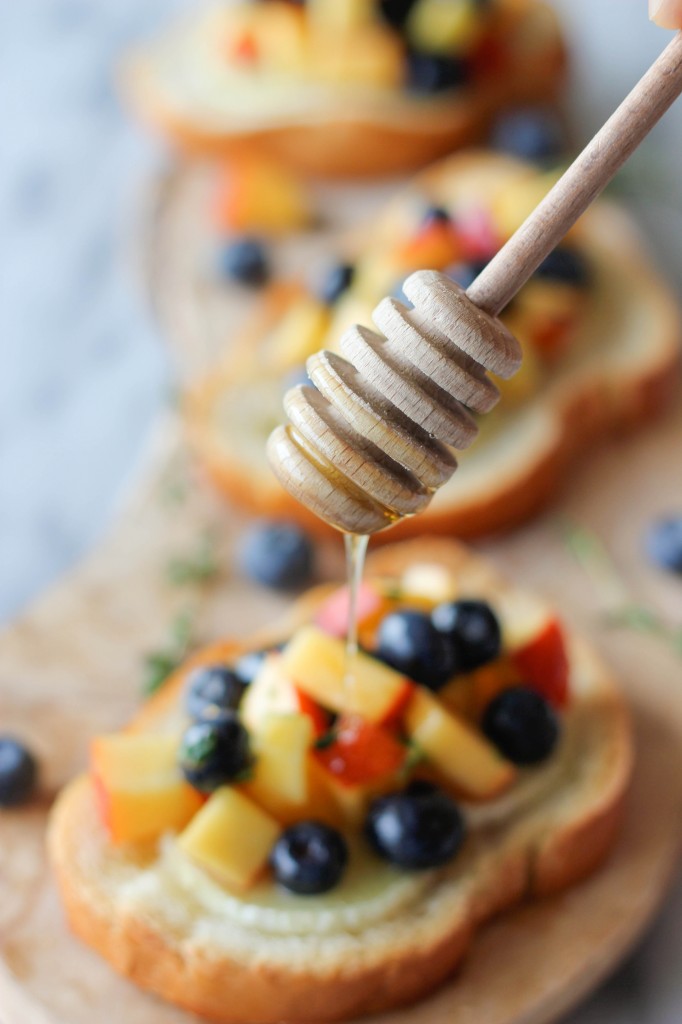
{"x": 83, "y": 372}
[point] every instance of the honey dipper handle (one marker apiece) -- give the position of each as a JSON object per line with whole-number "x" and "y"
{"x": 587, "y": 176}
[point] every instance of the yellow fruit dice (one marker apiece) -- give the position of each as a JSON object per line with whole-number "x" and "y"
{"x": 316, "y": 662}
{"x": 429, "y": 582}
{"x": 460, "y": 754}
{"x": 373, "y": 56}
{"x": 140, "y": 789}
{"x": 271, "y": 693}
{"x": 257, "y": 195}
{"x": 231, "y": 837}
{"x": 444, "y": 26}
{"x": 530, "y": 376}
{"x": 280, "y": 781}
{"x": 332, "y": 16}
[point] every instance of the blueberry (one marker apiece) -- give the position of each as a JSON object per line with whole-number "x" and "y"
{"x": 309, "y": 858}
{"x": 430, "y": 72}
{"x": 396, "y": 12}
{"x": 566, "y": 265}
{"x": 409, "y": 642}
{"x": 465, "y": 274}
{"x": 530, "y": 133}
{"x": 279, "y": 555}
{"x": 211, "y": 690}
{"x": 473, "y": 631}
{"x": 337, "y": 281}
{"x": 213, "y": 753}
{"x": 18, "y": 772}
{"x": 248, "y": 666}
{"x": 522, "y": 726}
{"x": 422, "y": 827}
{"x": 436, "y": 214}
{"x": 664, "y": 543}
{"x": 245, "y": 260}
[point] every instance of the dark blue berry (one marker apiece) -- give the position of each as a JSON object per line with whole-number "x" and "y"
{"x": 566, "y": 265}
{"x": 473, "y": 630}
{"x": 530, "y": 133}
{"x": 436, "y": 214}
{"x": 18, "y": 772}
{"x": 248, "y": 666}
{"x": 409, "y": 642}
{"x": 212, "y": 690}
{"x": 430, "y": 72}
{"x": 465, "y": 274}
{"x": 337, "y": 281}
{"x": 309, "y": 858}
{"x": 419, "y": 828}
{"x": 214, "y": 753}
{"x": 522, "y": 725}
{"x": 396, "y": 12}
{"x": 245, "y": 260}
{"x": 279, "y": 555}
{"x": 664, "y": 543}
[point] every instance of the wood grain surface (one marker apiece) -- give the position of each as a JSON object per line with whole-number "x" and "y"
{"x": 73, "y": 665}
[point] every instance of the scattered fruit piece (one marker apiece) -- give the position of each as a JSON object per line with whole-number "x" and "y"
{"x": 280, "y": 774}
{"x": 333, "y": 615}
{"x": 140, "y": 790}
{"x": 417, "y": 829}
{"x": 542, "y": 662}
{"x": 435, "y": 245}
{"x": 472, "y": 629}
{"x": 522, "y": 725}
{"x": 567, "y": 265}
{"x": 444, "y": 26}
{"x": 300, "y": 331}
{"x": 429, "y": 582}
{"x": 361, "y": 753}
{"x": 272, "y": 693}
{"x": 231, "y": 837}
{"x": 256, "y": 196}
{"x": 212, "y": 690}
{"x": 309, "y": 858}
{"x": 213, "y": 753}
{"x": 664, "y": 543}
{"x": 278, "y": 555}
{"x": 245, "y": 260}
{"x": 317, "y": 664}
{"x": 409, "y": 642}
{"x": 457, "y": 751}
{"x": 18, "y": 772}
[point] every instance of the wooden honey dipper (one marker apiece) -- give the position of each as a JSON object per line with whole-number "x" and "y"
{"x": 373, "y": 440}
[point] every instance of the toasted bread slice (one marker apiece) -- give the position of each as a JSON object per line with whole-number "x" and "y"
{"x": 618, "y": 374}
{"x": 332, "y": 131}
{"x": 170, "y": 934}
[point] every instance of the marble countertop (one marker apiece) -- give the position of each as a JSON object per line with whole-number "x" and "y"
{"x": 84, "y": 374}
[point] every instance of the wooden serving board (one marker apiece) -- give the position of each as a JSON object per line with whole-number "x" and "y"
{"x": 73, "y": 665}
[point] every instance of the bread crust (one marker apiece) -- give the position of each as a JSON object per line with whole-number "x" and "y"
{"x": 354, "y": 142}
{"x": 534, "y": 857}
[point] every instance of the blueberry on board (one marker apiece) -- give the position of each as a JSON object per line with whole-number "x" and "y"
{"x": 566, "y": 265}
{"x": 309, "y": 858}
{"x": 214, "y": 753}
{"x": 419, "y": 828}
{"x": 245, "y": 260}
{"x": 18, "y": 772}
{"x": 437, "y": 214}
{"x": 473, "y": 629}
{"x": 531, "y": 133}
{"x": 431, "y": 72}
{"x": 211, "y": 690}
{"x": 664, "y": 543}
{"x": 409, "y": 642}
{"x": 337, "y": 281}
{"x": 278, "y": 554}
{"x": 522, "y": 725}
{"x": 396, "y": 12}
{"x": 248, "y": 666}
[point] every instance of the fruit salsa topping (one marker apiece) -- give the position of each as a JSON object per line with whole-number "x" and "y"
{"x": 291, "y": 758}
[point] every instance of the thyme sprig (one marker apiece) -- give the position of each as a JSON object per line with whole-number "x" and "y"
{"x": 162, "y": 662}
